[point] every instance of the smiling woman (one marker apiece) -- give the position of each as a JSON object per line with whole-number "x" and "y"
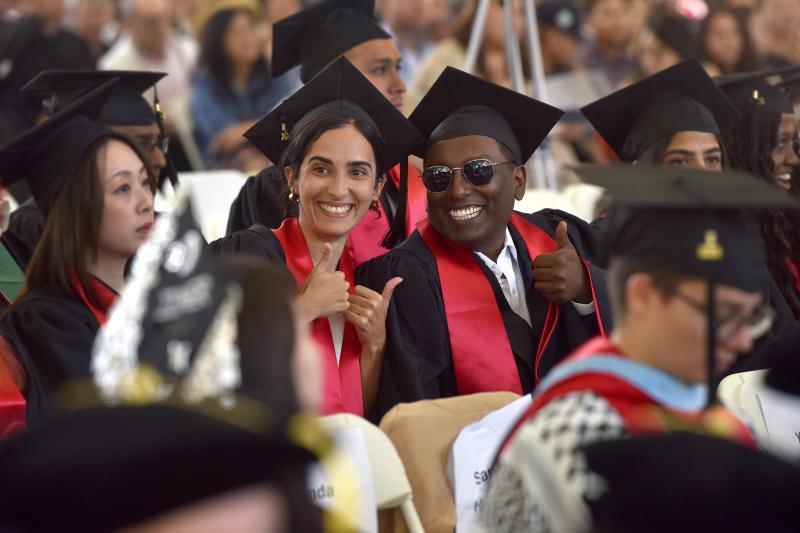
{"x": 97, "y": 195}
{"x": 334, "y": 164}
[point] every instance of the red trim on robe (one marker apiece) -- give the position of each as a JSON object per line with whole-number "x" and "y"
{"x": 473, "y": 318}
{"x": 640, "y": 412}
{"x": 366, "y": 236}
{"x": 795, "y": 273}
{"x": 342, "y": 381}
{"x": 12, "y": 402}
{"x": 104, "y": 294}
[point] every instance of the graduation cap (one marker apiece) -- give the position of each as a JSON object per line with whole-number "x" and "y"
{"x": 689, "y": 222}
{"x": 125, "y": 105}
{"x": 173, "y": 328}
{"x": 680, "y": 98}
{"x": 134, "y": 464}
{"x": 749, "y": 91}
{"x": 790, "y": 85}
{"x": 45, "y": 154}
{"x": 690, "y": 482}
{"x": 316, "y": 36}
{"x": 340, "y": 90}
{"x": 460, "y": 104}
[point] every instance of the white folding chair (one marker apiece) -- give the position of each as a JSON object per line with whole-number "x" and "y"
{"x": 392, "y": 488}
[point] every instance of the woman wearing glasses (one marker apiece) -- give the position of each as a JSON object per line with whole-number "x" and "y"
{"x": 491, "y": 299}
{"x": 333, "y": 154}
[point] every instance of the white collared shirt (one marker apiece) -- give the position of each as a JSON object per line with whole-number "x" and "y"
{"x": 508, "y": 275}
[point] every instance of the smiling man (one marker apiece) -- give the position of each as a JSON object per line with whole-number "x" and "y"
{"x": 491, "y": 299}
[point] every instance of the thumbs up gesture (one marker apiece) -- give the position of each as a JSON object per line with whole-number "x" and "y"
{"x": 560, "y": 275}
{"x": 367, "y": 312}
{"x": 324, "y": 292}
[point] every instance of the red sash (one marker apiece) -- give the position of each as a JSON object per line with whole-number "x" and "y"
{"x": 104, "y": 294}
{"x": 342, "y": 382}
{"x": 365, "y": 238}
{"x": 641, "y": 413}
{"x": 482, "y": 355}
{"x": 12, "y": 403}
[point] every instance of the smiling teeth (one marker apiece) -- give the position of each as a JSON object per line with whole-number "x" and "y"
{"x": 466, "y": 213}
{"x": 336, "y": 209}
{"x": 784, "y": 177}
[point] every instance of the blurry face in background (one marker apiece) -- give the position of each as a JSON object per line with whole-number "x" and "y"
{"x": 90, "y": 16}
{"x": 784, "y": 156}
{"x": 723, "y": 41}
{"x": 150, "y": 26}
{"x": 612, "y": 22}
{"x": 560, "y": 46}
{"x": 146, "y": 138}
{"x": 51, "y": 10}
{"x": 379, "y": 61}
{"x": 495, "y": 36}
{"x": 242, "y": 46}
{"x": 654, "y": 55}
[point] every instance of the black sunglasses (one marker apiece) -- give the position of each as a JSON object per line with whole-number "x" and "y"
{"x": 478, "y": 172}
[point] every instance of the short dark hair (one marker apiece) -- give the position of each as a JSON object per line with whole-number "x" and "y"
{"x": 292, "y": 156}
{"x": 622, "y": 268}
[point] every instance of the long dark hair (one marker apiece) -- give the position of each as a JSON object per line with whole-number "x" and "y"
{"x": 778, "y": 229}
{"x": 748, "y": 60}
{"x": 212, "y": 48}
{"x": 298, "y": 147}
{"x": 72, "y": 227}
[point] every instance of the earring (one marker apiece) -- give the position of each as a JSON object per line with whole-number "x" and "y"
{"x": 291, "y": 196}
{"x": 374, "y": 204}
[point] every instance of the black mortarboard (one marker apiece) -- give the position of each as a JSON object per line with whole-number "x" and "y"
{"x": 791, "y": 86}
{"x": 460, "y": 104}
{"x": 690, "y": 482}
{"x": 680, "y": 98}
{"x": 689, "y": 222}
{"x": 134, "y": 464}
{"x": 669, "y": 216}
{"x": 740, "y": 89}
{"x": 318, "y": 35}
{"x": 125, "y": 105}
{"x": 339, "y": 90}
{"x": 45, "y": 154}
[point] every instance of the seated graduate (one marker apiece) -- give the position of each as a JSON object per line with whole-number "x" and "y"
{"x": 684, "y": 268}
{"x": 333, "y": 153}
{"x": 491, "y": 299}
{"x": 764, "y": 142}
{"x": 97, "y": 196}
{"x": 680, "y": 117}
{"x": 126, "y": 112}
{"x": 673, "y": 118}
{"x": 313, "y": 39}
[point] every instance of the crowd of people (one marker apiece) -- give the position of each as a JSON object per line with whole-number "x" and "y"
{"x": 376, "y": 258}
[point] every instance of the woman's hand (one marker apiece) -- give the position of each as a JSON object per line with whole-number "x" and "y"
{"x": 324, "y": 292}
{"x": 367, "y": 313}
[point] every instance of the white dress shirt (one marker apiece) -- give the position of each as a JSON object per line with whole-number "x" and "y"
{"x": 508, "y": 275}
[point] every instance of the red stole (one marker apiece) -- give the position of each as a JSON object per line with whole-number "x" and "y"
{"x": 12, "y": 403}
{"x": 365, "y": 238}
{"x": 342, "y": 381}
{"x": 641, "y": 413}
{"x": 103, "y": 294}
{"x": 482, "y": 355}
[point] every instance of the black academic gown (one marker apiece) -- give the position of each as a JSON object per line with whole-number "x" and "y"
{"x": 418, "y": 362}
{"x": 25, "y": 228}
{"x": 53, "y": 338}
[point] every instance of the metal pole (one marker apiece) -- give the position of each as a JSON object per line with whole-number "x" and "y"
{"x": 543, "y": 154}
{"x": 476, "y": 35}
{"x": 513, "y": 58}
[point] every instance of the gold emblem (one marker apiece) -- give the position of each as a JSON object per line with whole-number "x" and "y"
{"x": 710, "y": 249}
{"x": 284, "y": 132}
